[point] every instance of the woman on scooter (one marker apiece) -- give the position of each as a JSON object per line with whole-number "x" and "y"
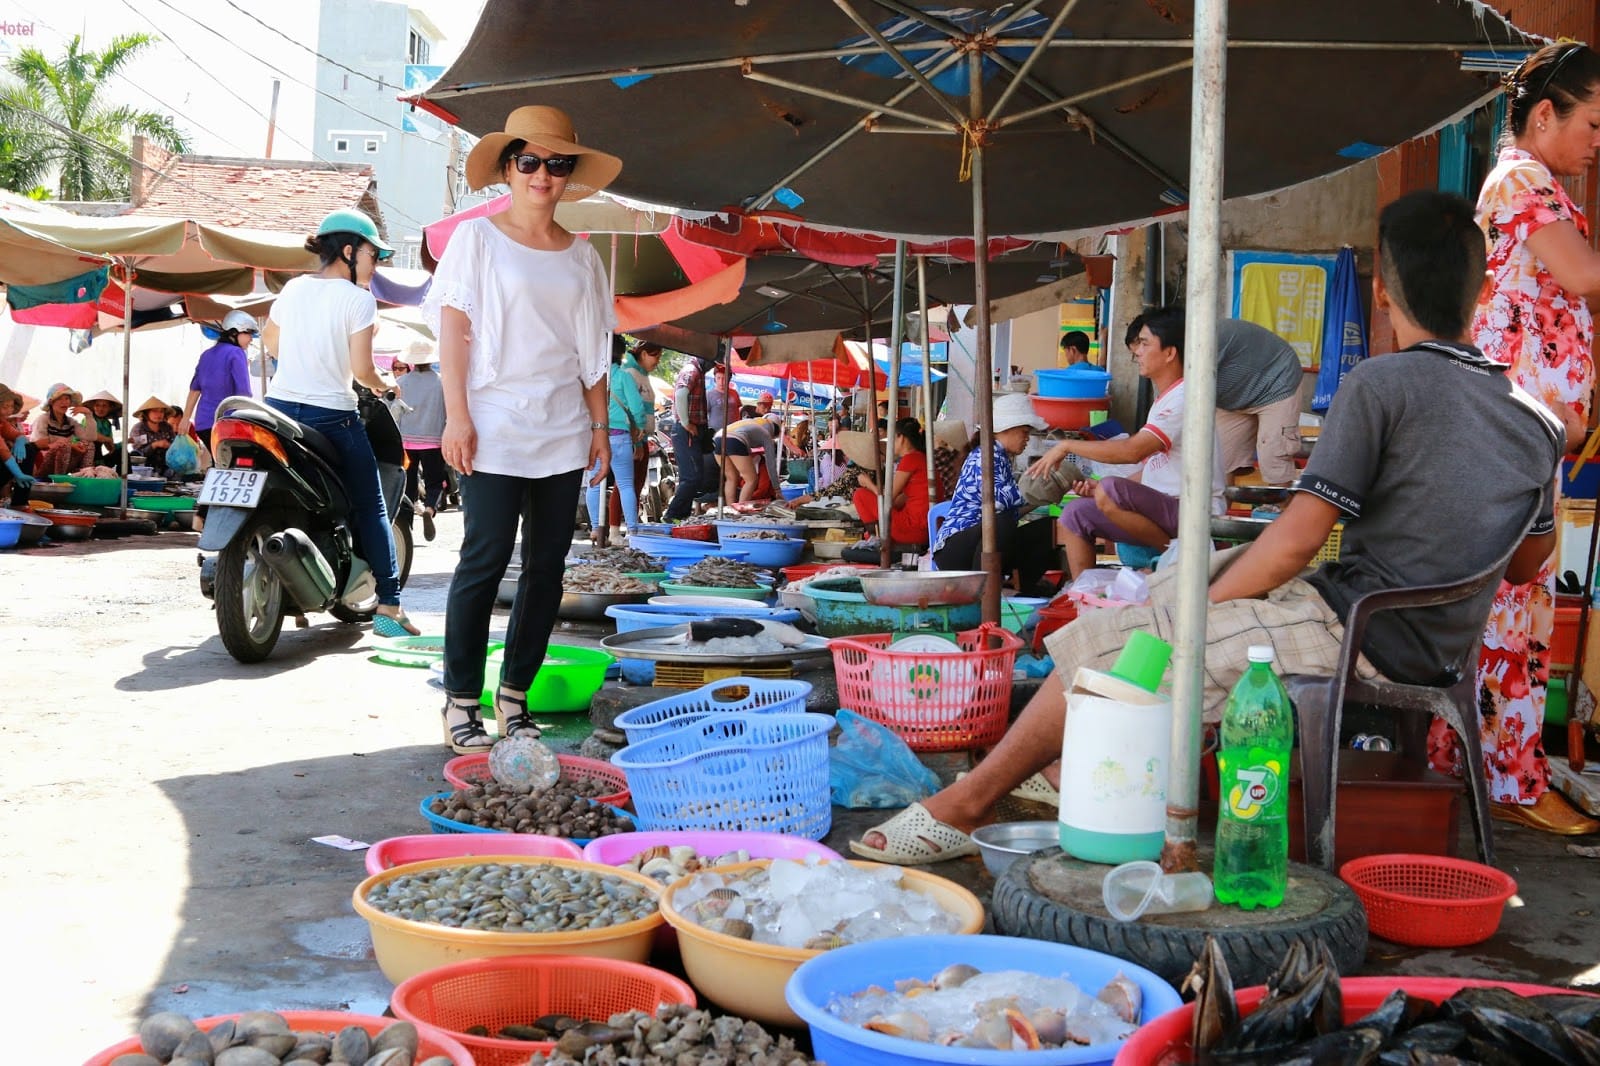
{"x": 320, "y": 329}
{"x": 522, "y": 309}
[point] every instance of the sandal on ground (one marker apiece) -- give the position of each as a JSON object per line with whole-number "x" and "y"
{"x": 914, "y": 837}
{"x": 1037, "y": 789}
{"x": 511, "y": 710}
{"x": 393, "y": 625}
{"x": 466, "y": 736}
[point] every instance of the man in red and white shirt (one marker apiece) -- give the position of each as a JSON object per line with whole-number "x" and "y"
{"x": 1141, "y": 509}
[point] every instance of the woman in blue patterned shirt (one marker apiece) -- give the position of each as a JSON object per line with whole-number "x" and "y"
{"x": 1028, "y": 549}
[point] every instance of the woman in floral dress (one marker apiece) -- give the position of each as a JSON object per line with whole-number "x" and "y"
{"x": 1534, "y": 317}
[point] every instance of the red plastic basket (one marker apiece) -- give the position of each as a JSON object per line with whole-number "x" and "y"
{"x": 430, "y": 1039}
{"x": 516, "y": 989}
{"x": 464, "y": 771}
{"x": 699, "y": 531}
{"x": 934, "y": 701}
{"x": 1429, "y": 901}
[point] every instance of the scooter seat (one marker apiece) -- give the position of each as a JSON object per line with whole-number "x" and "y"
{"x": 251, "y": 410}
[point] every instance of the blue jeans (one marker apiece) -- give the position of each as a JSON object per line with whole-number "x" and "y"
{"x": 686, "y": 456}
{"x": 494, "y": 505}
{"x": 622, "y": 471}
{"x": 358, "y": 469}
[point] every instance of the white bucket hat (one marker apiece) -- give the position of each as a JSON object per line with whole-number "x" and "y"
{"x": 1015, "y": 409}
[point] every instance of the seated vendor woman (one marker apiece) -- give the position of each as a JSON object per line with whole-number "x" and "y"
{"x": 152, "y": 434}
{"x": 743, "y": 438}
{"x": 60, "y": 441}
{"x": 908, "y": 491}
{"x": 100, "y": 414}
{"x": 1142, "y": 509}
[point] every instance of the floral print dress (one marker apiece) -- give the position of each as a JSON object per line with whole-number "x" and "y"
{"x": 1543, "y": 333}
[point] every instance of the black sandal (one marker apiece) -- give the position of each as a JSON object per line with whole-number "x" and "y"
{"x": 511, "y": 708}
{"x": 469, "y": 737}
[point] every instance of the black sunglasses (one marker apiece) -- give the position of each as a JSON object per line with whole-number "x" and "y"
{"x": 559, "y": 166}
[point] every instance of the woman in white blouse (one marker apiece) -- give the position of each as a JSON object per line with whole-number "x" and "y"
{"x": 522, "y": 310}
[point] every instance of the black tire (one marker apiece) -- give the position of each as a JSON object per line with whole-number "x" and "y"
{"x": 404, "y": 549}
{"x": 249, "y": 597}
{"x": 1253, "y": 951}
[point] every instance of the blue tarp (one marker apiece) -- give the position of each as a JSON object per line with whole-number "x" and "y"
{"x": 910, "y": 371}
{"x": 1344, "y": 331}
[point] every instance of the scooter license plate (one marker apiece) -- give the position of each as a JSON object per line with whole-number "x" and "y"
{"x": 233, "y": 488}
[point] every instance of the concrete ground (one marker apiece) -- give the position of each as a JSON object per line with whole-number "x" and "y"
{"x": 161, "y": 800}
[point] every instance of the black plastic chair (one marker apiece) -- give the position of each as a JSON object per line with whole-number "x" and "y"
{"x": 1319, "y": 709}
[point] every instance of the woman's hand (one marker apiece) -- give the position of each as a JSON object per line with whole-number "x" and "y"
{"x": 1084, "y": 488}
{"x": 1049, "y": 461}
{"x": 599, "y": 455}
{"x": 459, "y": 444}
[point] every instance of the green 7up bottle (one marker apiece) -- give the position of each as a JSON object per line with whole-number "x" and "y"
{"x": 1252, "y": 865}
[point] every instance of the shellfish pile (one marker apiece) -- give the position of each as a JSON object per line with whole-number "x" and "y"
{"x": 676, "y": 1034}
{"x": 524, "y": 897}
{"x": 1005, "y": 1010}
{"x": 668, "y": 864}
{"x": 717, "y": 572}
{"x": 565, "y": 809}
{"x": 627, "y": 560}
{"x": 759, "y": 534}
{"x": 812, "y": 905}
{"x": 264, "y": 1038}
{"x": 601, "y": 579}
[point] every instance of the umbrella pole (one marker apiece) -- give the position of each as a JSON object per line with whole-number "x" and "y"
{"x": 127, "y": 372}
{"x": 1199, "y": 418}
{"x": 892, "y": 386}
{"x": 989, "y": 556}
{"x": 928, "y": 443}
{"x": 723, "y": 347}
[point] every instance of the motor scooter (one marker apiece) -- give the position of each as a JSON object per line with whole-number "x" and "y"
{"x": 278, "y": 518}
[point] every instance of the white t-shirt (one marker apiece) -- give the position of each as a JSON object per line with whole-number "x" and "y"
{"x": 316, "y": 318}
{"x": 1163, "y": 470}
{"x": 540, "y": 324}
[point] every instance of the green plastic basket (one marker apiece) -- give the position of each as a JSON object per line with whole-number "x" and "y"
{"x": 673, "y": 588}
{"x": 565, "y": 683}
{"x": 163, "y": 501}
{"x": 652, "y": 577}
{"x": 91, "y": 491}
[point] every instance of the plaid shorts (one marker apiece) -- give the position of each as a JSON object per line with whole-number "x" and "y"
{"x": 1294, "y": 618}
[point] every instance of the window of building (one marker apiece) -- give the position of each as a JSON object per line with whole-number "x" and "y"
{"x": 372, "y": 145}
{"x": 340, "y": 144}
{"x": 417, "y": 48}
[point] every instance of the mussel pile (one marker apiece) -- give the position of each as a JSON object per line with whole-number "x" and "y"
{"x": 521, "y": 897}
{"x": 627, "y": 560}
{"x": 716, "y": 572}
{"x": 264, "y": 1038}
{"x": 565, "y": 809}
{"x": 675, "y": 1034}
{"x": 1301, "y": 1022}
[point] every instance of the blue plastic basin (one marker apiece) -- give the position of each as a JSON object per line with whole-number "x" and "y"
{"x": 1077, "y": 382}
{"x": 632, "y": 616}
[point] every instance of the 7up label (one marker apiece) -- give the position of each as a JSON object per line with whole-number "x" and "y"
{"x": 1254, "y": 786}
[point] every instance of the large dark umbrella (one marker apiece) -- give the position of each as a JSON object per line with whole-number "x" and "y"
{"x": 889, "y": 116}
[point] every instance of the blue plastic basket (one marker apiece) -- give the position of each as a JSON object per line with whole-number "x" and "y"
{"x": 753, "y": 772}
{"x": 731, "y": 695}
{"x": 770, "y": 552}
{"x": 850, "y": 969}
{"x": 672, "y": 548}
{"x": 632, "y": 616}
{"x": 726, "y": 527}
{"x": 440, "y": 824}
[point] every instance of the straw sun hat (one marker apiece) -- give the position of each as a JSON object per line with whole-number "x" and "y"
{"x": 858, "y": 447}
{"x": 153, "y": 403}
{"x": 103, "y": 394}
{"x": 550, "y": 129}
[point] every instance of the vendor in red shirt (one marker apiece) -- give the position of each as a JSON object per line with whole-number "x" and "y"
{"x": 908, "y": 518}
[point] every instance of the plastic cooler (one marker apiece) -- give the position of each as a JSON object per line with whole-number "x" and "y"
{"x": 733, "y": 695}
{"x": 632, "y": 616}
{"x": 934, "y": 701}
{"x": 760, "y": 772}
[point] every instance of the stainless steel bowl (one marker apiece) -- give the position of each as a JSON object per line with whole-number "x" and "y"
{"x": 1004, "y": 843}
{"x": 1255, "y": 494}
{"x": 900, "y": 588}
{"x": 591, "y": 606}
{"x": 63, "y": 531}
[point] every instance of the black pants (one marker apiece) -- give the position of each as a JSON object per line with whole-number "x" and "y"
{"x": 427, "y": 467}
{"x": 494, "y": 504}
{"x": 1027, "y": 548}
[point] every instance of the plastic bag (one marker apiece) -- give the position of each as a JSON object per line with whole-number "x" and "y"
{"x": 183, "y": 457}
{"x": 870, "y": 767}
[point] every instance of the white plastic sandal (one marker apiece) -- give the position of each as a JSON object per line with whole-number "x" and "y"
{"x": 1037, "y": 789}
{"x": 914, "y": 837}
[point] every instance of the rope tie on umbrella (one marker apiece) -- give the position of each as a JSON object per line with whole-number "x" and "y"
{"x": 974, "y": 134}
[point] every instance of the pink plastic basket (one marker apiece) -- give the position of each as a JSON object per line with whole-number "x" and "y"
{"x": 397, "y": 851}
{"x": 934, "y": 701}
{"x": 464, "y": 771}
{"x": 618, "y": 848}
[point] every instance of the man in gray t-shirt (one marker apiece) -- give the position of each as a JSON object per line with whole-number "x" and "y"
{"x": 1258, "y": 400}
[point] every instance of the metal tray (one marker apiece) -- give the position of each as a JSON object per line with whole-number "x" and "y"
{"x": 644, "y": 644}
{"x": 1255, "y": 494}
{"x": 591, "y": 606}
{"x": 1238, "y": 528}
{"x": 902, "y": 588}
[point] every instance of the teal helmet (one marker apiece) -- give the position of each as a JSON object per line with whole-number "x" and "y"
{"x": 350, "y": 220}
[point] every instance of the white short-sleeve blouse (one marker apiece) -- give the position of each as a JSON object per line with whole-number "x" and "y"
{"x": 539, "y": 327}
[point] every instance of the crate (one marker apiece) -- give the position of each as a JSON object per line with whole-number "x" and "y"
{"x": 934, "y": 701}
{"x": 1564, "y": 642}
{"x": 734, "y": 695}
{"x": 687, "y": 675}
{"x": 1329, "y": 552}
{"x": 763, "y": 773}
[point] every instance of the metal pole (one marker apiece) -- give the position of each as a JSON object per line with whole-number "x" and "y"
{"x": 724, "y": 346}
{"x": 127, "y": 363}
{"x": 989, "y": 557}
{"x": 927, "y": 383}
{"x": 1199, "y": 418}
{"x": 272, "y": 118}
{"x": 896, "y": 335}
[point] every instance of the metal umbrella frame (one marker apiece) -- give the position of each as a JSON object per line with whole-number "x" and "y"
{"x": 811, "y": 97}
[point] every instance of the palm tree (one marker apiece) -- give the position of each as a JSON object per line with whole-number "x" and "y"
{"x": 59, "y": 112}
